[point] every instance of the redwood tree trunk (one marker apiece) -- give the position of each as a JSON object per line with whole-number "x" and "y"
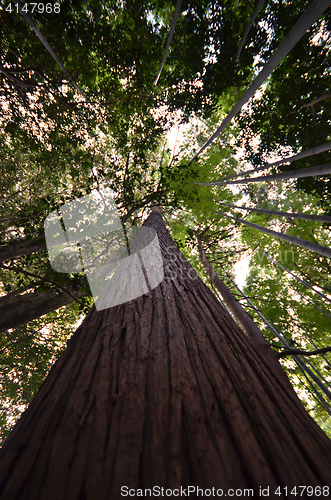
{"x": 167, "y": 391}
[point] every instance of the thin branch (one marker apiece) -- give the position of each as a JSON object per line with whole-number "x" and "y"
{"x": 311, "y": 104}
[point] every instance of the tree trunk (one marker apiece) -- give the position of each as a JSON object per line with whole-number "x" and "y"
{"x": 292, "y": 174}
{"x": 17, "y": 310}
{"x": 167, "y": 391}
{"x": 47, "y": 46}
{"x": 292, "y": 215}
{"x": 169, "y": 39}
{"x": 19, "y": 247}
{"x": 306, "y": 20}
{"x": 242, "y": 317}
{"x": 248, "y": 27}
{"x": 309, "y": 152}
{"x": 283, "y": 236}
{"x": 297, "y": 277}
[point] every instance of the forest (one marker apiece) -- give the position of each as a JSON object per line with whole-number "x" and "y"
{"x": 173, "y": 105}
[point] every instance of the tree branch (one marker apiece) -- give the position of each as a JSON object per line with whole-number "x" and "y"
{"x": 311, "y": 104}
{"x": 289, "y": 352}
{"x": 27, "y": 273}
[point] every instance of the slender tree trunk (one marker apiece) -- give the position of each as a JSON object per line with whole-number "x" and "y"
{"x": 169, "y": 39}
{"x": 307, "y": 19}
{"x": 292, "y": 174}
{"x": 20, "y": 247}
{"x": 309, "y": 152}
{"x": 244, "y": 320}
{"x": 283, "y": 236}
{"x": 47, "y": 46}
{"x": 248, "y": 27}
{"x": 297, "y": 277}
{"x": 17, "y": 310}
{"x": 164, "y": 390}
{"x": 294, "y": 215}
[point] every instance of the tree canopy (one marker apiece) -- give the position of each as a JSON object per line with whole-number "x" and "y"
{"x": 58, "y": 145}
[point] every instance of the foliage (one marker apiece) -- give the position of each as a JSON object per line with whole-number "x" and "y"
{"x": 57, "y": 147}
{"x": 27, "y": 354}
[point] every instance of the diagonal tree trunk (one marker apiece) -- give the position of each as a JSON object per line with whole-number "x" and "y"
{"x": 321, "y": 218}
{"x": 17, "y": 310}
{"x": 292, "y": 174}
{"x": 242, "y": 317}
{"x": 169, "y": 39}
{"x": 283, "y": 236}
{"x": 31, "y": 23}
{"x": 307, "y": 19}
{"x": 297, "y": 277}
{"x": 257, "y": 9}
{"x": 23, "y": 246}
{"x": 164, "y": 390}
{"x": 289, "y": 159}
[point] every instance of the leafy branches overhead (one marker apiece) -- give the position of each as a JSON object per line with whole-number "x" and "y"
{"x": 57, "y": 146}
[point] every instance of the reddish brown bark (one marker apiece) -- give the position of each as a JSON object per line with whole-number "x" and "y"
{"x": 164, "y": 390}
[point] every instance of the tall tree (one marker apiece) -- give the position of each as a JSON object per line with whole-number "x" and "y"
{"x": 113, "y": 50}
{"x": 163, "y": 390}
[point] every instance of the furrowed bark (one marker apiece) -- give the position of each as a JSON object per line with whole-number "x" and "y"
{"x": 163, "y": 390}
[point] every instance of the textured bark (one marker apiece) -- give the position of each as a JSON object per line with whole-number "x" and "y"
{"x": 163, "y": 390}
{"x": 16, "y": 248}
{"x": 17, "y": 310}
